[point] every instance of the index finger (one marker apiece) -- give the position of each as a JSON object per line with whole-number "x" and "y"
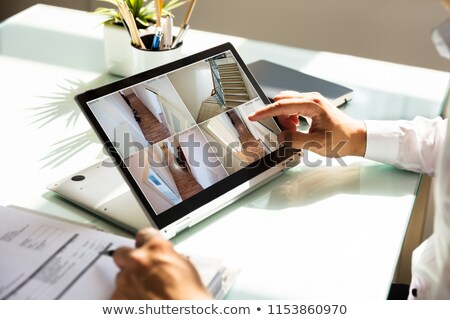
{"x": 286, "y": 107}
{"x": 288, "y": 94}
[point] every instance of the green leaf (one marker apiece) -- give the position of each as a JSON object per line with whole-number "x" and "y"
{"x": 150, "y": 6}
{"x": 173, "y": 5}
{"x": 143, "y": 10}
{"x": 138, "y": 5}
{"x": 171, "y": 2}
{"x": 143, "y": 22}
{"x": 106, "y": 12}
{"x": 150, "y": 17}
{"x": 135, "y": 6}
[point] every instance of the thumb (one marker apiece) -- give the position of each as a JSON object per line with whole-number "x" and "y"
{"x": 300, "y": 140}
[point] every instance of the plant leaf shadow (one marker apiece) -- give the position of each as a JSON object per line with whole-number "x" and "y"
{"x": 61, "y": 104}
{"x": 68, "y": 147}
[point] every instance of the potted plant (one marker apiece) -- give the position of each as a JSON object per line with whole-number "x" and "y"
{"x": 118, "y": 53}
{"x": 143, "y": 11}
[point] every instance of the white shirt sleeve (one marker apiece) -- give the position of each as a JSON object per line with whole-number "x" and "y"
{"x": 411, "y": 145}
{"x": 421, "y": 145}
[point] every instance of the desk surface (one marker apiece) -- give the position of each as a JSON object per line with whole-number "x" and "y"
{"x": 330, "y": 231}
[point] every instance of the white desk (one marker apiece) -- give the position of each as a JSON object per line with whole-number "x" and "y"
{"x": 315, "y": 232}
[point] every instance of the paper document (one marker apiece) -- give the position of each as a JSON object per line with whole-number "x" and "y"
{"x": 44, "y": 258}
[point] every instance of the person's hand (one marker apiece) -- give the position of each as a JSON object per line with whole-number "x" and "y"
{"x": 332, "y": 133}
{"x": 154, "y": 270}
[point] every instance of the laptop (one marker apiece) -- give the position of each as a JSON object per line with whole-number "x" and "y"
{"x": 274, "y": 78}
{"x": 180, "y": 141}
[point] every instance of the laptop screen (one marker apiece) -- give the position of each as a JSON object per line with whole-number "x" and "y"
{"x": 181, "y": 132}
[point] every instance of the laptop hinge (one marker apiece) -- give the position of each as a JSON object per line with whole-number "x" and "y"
{"x": 172, "y": 230}
{"x": 183, "y": 224}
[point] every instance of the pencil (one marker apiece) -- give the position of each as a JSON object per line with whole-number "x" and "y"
{"x": 187, "y": 17}
{"x": 185, "y": 25}
{"x": 128, "y": 18}
{"x": 158, "y": 11}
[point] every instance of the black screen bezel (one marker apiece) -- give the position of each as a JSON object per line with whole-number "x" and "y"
{"x": 180, "y": 210}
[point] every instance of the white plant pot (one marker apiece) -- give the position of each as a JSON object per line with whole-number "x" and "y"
{"x": 118, "y": 50}
{"x": 145, "y": 59}
{"x": 122, "y": 59}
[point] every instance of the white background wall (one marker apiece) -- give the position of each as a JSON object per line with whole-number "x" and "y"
{"x": 158, "y": 202}
{"x": 206, "y": 175}
{"x": 111, "y": 111}
{"x": 196, "y": 89}
{"x": 163, "y": 170}
{"x": 141, "y": 93}
{"x": 116, "y": 119}
{"x": 8, "y": 8}
{"x": 392, "y": 30}
{"x": 171, "y": 102}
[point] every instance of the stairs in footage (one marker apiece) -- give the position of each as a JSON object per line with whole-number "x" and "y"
{"x": 209, "y": 109}
{"x": 235, "y": 92}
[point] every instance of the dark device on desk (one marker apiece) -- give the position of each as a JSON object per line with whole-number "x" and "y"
{"x": 274, "y": 78}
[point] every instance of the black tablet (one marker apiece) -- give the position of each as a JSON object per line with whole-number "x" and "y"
{"x": 181, "y": 137}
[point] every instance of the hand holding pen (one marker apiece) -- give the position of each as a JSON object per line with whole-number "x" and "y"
{"x": 154, "y": 270}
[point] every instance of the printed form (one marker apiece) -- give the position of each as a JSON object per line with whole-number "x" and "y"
{"x": 43, "y": 258}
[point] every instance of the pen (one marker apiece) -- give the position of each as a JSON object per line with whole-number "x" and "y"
{"x": 167, "y": 33}
{"x": 157, "y": 39}
{"x": 109, "y": 253}
{"x": 185, "y": 25}
{"x": 180, "y": 36}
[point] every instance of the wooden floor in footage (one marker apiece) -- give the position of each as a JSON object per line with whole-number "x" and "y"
{"x": 153, "y": 130}
{"x": 251, "y": 148}
{"x": 186, "y": 184}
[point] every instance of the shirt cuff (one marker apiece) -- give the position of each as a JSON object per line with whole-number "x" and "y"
{"x": 383, "y": 140}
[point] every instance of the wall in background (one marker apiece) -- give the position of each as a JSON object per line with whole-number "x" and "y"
{"x": 8, "y": 8}
{"x": 391, "y": 30}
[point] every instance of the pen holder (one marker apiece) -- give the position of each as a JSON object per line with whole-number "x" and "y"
{"x": 145, "y": 59}
{"x": 118, "y": 52}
